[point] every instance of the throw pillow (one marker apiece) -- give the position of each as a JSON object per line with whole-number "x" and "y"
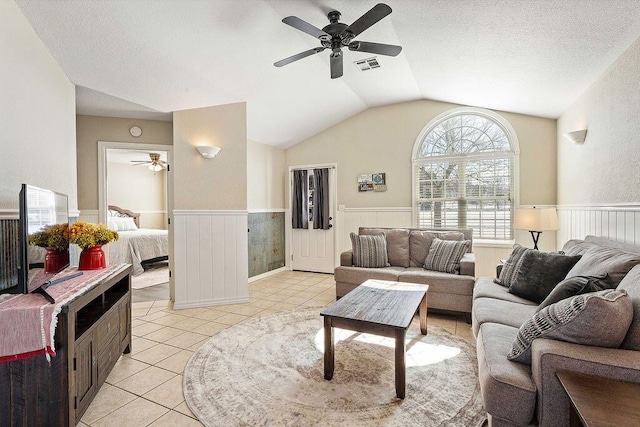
{"x": 597, "y": 319}
{"x": 573, "y": 286}
{"x": 420, "y": 242}
{"x": 511, "y": 266}
{"x": 601, "y": 260}
{"x": 631, "y": 285}
{"x": 539, "y": 272}
{"x": 445, "y": 255}
{"x": 369, "y": 251}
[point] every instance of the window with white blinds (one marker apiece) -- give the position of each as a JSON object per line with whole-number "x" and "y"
{"x": 464, "y": 168}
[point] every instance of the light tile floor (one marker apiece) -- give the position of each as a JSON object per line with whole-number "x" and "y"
{"x": 145, "y": 386}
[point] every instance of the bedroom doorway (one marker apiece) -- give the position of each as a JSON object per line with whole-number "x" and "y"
{"x": 135, "y": 180}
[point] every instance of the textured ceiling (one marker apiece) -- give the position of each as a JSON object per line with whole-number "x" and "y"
{"x": 144, "y": 58}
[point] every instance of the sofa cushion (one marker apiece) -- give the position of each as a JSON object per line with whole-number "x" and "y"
{"x": 485, "y": 287}
{"x": 369, "y": 251}
{"x": 576, "y": 247}
{"x": 507, "y": 387}
{"x": 511, "y": 265}
{"x": 357, "y": 275}
{"x": 539, "y": 272}
{"x": 397, "y": 244}
{"x": 509, "y": 313}
{"x": 601, "y": 260}
{"x": 438, "y": 281}
{"x": 576, "y": 285}
{"x": 631, "y": 284}
{"x": 445, "y": 255}
{"x": 420, "y": 243}
{"x": 599, "y": 319}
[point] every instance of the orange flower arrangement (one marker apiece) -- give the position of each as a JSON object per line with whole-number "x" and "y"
{"x": 86, "y": 234}
{"x": 54, "y": 236}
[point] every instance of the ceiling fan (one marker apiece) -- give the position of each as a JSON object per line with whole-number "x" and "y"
{"x": 337, "y": 35}
{"x": 155, "y": 164}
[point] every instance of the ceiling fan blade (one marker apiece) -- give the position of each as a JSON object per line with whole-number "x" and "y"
{"x": 304, "y": 26}
{"x": 374, "y": 15}
{"x": 140, "y": 161}
{"x": 336, "y": 64}
{"x": 379, "y": 48}
{"x": 300, "y": 55}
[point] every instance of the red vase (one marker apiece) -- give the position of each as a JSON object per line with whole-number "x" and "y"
{"x": 92, "y": 258}
{"x": 55, "y": 260}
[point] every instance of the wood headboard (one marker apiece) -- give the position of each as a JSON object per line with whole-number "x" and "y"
{"x": 127, "y": 212}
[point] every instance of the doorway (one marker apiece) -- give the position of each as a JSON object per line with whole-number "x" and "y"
{"x": 137, "y": 178}
{"x": 313, "y": 242}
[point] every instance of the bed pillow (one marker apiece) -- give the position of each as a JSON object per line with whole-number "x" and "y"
{"x": 445, "y": 255}
{"x": 511, "y": 266}
{"x": 576, "y": 285}
{"x": 369, "y": 251}
{"x": 539, "y": 272}
{"x": 598, "y": 319}
{"x": 122, "y": 224}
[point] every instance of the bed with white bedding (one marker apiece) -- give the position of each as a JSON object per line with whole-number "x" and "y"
{"x": 135, "y": 245}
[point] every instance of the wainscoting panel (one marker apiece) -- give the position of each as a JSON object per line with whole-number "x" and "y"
{"x": 616, "y": 222}
{"x": 266, "y": 242}
{"x": 211, "y": 258}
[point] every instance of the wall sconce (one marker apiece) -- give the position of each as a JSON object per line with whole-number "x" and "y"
{"x": 208, "y": 152}
{"x": 577, "y": 136}
{"x": 535, "y": 220}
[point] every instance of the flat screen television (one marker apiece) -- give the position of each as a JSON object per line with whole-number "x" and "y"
{"x": 39, "y": 208}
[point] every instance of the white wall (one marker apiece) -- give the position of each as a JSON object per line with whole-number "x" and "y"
{"x": 140, "y": 190}
{"x": 266, "y": 176}
{"x": 598, "y": 181}
{"x": 37, "y": 114}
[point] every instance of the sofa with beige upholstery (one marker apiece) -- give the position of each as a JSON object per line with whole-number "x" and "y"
{"x": 407, "y": 249}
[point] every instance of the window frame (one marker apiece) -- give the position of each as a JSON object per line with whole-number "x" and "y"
{"x": 513, "y": 152}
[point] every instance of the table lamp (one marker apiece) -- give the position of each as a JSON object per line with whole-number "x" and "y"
{"x": 535, "y": 220}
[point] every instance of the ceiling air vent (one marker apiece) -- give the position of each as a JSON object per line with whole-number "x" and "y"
{"x": 367, "y": 64}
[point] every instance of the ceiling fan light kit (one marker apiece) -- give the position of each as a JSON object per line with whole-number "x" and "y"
{"x": 337, "y": 35}
{"x": 154, "y": 164}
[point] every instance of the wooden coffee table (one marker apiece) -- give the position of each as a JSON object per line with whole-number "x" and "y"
{"x": 378, "y": 307}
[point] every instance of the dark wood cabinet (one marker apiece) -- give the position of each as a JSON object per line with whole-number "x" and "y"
{"x": 93, "y": 331}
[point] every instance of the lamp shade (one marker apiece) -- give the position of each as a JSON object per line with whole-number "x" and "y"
{"x": 536, "y": 219}
{"x": 208, "y": 152}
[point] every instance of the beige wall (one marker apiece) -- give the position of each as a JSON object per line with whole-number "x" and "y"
{"x": 211, "y": 184}
{"x": 140, "y": 190}
{"x": 604, "y": 170}
{"x": 265, "y": 176}
{"x": 381, "y": 139}
{"x": 37, "y": 114}
{"x": 91, "y": 129}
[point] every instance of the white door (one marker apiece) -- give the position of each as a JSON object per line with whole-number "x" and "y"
{"x": 313, "y": 250}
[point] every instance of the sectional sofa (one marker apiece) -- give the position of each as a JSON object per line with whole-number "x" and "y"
{"x": 407, "y": 249}
{"x": 519, "y": 394}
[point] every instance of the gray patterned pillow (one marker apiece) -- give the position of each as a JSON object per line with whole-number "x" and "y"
{"x": 445, "y": 255}
{"x": 369, "y": 251}
{"x": 511, "y": 266}
{"x": 598, "y": 319}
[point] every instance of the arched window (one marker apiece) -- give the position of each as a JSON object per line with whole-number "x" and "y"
{"x": 463, "y": 173}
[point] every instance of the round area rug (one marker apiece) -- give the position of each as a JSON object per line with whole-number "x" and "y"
{"x": 269, "y": 371}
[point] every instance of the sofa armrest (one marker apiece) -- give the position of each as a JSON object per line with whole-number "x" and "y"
{"x": 346, "y": 258}
{"x": 468, "y": 264}
{"x": 550, "y": 356}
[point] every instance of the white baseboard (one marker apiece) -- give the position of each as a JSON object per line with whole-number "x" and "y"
{"x": 210, "y": 303}
{"x": 267, "y": 274}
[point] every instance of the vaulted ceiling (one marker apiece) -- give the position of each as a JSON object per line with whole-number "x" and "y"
{"x": 148, "y": 58}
